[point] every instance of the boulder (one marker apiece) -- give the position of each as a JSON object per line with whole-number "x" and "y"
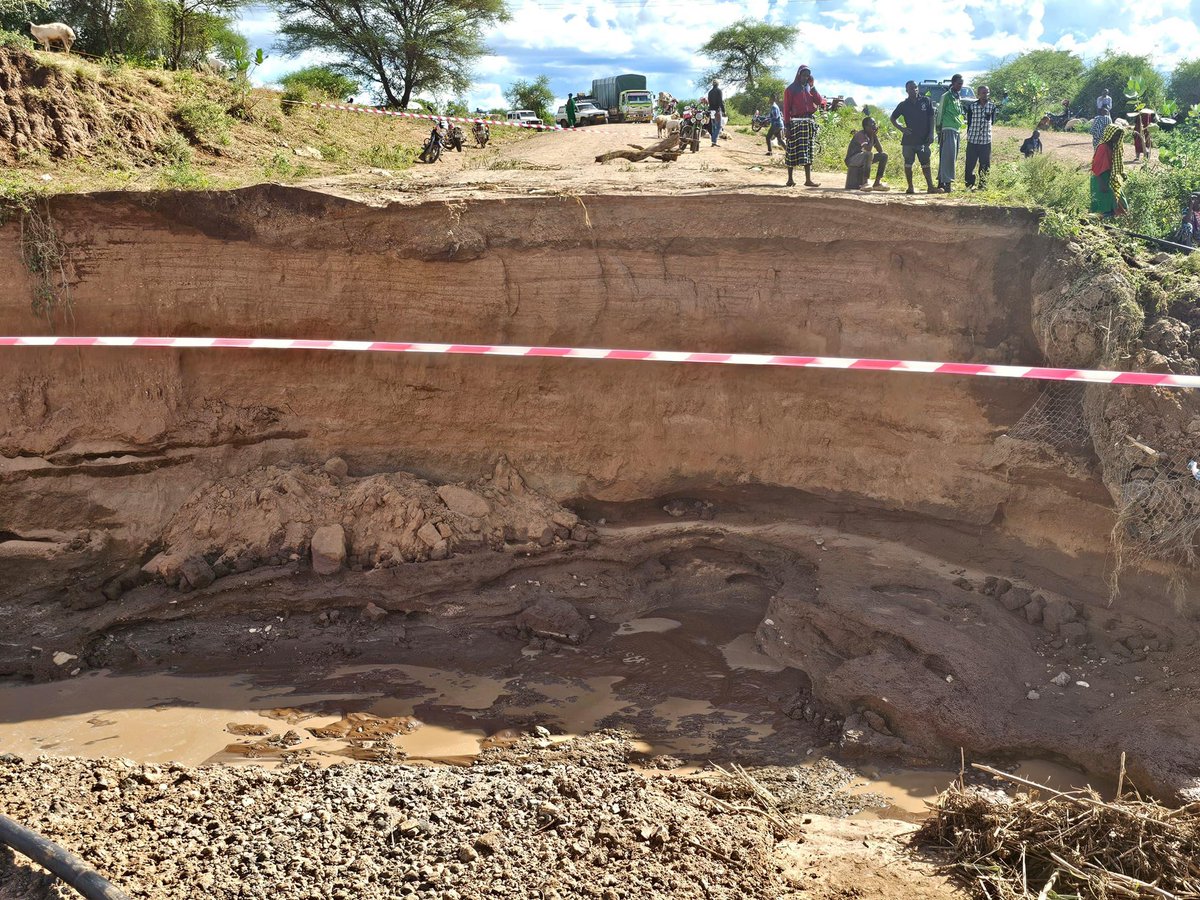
{"x": 197, "y": 572}
{"x": 373, "y": 613}
{"x": 1033, "y": 610}
{"x": 328, "y": 549}
{"x": 336, "y": 467}
{"x": 1075, "y": 632}
{"x": 429, "y": 534}
{"x": 462, "y": 501}
{"x": 1056, "y": 614}
{"x": 555, "y": 619}
{"x": 996, "y": 587}
{"x": 1015, "y": 598}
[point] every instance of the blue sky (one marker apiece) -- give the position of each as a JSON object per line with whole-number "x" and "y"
{"x": 866, "y": 49}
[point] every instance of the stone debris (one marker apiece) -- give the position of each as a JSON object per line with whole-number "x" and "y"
{"x": 273, "y": 515}
{"x": 557, "y": 619}
{"x": 328, "y": 549}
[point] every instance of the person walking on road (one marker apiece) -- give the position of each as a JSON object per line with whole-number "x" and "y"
{"x": 1108, "y": 173}
{"x": 917, "y": 113}
{"x": 775, "y": 126}
{"x": 949, "y": 124}
{"x": 571, "y": 107}
{"x": 800, "y": 101}
{"x": 716, "y": 109}
{"x": 980, "y": 115}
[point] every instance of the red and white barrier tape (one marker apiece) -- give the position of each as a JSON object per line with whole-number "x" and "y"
{"x": 540, "y": 126}
{"x": 1094, "y": 376}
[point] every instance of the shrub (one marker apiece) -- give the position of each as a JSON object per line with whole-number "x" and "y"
{"x": 204, "y": 120}
{"x": 173, "y": 147}
{"x": 1041, "y": 181}
{"x": 15, "y": 40}
{"x": 321, "y": 81}
{"x": 293, "y": 97}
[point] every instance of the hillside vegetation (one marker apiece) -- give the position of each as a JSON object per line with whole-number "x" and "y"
{"x": 69, "y": 124}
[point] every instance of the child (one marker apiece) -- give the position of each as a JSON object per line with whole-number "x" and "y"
{"x": 1032, "y": 144}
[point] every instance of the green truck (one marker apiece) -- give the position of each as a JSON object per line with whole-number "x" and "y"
{"x": 625, "y": 97}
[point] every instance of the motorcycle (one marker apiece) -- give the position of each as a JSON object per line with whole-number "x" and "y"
{"x": 456, "y": 138}
{"x": 431, "y": 151}
{"x": 692, "y": 124}
{"x": 481, "y": 134}
{"x": 759, "y": 122}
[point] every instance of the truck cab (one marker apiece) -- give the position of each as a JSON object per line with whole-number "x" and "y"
{"x": 637, "y": 106}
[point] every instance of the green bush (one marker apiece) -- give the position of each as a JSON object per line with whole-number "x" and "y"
{"x": 294, "y": 98}
{"x": 174, "y": 148}
{"x": 1028, "y": 84}
{"x": 1113, "y": 71}
{"x": 1040, "y": 181}
{"x": 204, "y": 121}
{"x": 15, "y": 40}
{"x": 322, "y": 81}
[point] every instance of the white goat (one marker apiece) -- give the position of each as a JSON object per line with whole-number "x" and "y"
{"x": 55, "y": 31}
{"x": 666, "y": 125}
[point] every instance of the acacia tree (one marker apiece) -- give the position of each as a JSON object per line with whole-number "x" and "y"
{"x": 535, "y": 95}
{"x": 400, "y": 46}
{"x": 745, "y": 51}
{"x": 193, "y": 19}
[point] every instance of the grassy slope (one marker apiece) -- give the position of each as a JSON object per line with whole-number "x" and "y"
{"x": 200, "y": 137}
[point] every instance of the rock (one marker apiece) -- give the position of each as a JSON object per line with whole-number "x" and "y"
{"x": 996, "y": 587}
{"x": 127, "y": 580}
{"x": 1057, "y": 613}
{"x": 1033, "y": 695}
{"x": 1062, "y": 679}
{"x": 467, "y": 853}
{"x": 337, "y": 467}
{"x": 441, "y": 550}
{"x": 462, "y": 501}
{"x": 429, "y": 534}
{"x": 328, "y": 549}
{"x": 555, "y": 619}
{"x": 580, "y": 534}
{"x": 197, "y": 572}
{"x": 373, "y": 613}
{"x": 488, "y": 844}
{"x": 564, "y": 518}
{"x": 964, "y": 584}
{"x": 308, "y": 152}
{"x": 859, "y": 739}
{"x": 1033, "y": 610}
{"x": 876, "y": 722}
{"x": 61, "y": 658}
{"x": 1015, "y": 598}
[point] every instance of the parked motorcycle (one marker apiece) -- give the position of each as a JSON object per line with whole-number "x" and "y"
{"x": 456, "y": 138}
{"x": 481, "y": 134}
{"x": 692, "y": 124}
{"x": 759, "y": 122}
{"x": 431, "y": 151}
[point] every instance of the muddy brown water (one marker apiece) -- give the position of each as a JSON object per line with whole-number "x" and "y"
{"x": 694, "y": 712}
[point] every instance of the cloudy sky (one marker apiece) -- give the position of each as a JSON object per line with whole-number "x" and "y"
{"x": 866, "y": 49}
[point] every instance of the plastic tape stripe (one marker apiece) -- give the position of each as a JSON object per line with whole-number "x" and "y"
{"x": 1037, "y": 373}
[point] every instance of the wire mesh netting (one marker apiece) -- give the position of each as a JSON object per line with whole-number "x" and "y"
{"x": 1156, "y": 489}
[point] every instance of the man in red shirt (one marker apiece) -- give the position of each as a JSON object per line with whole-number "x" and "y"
{"x": 800, "y": 101}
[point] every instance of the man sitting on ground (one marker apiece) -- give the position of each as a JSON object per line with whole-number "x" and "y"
{"x": 917, "y": 113}
{"x": 859, "y": 157}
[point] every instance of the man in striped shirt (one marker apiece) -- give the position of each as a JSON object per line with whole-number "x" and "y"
{"x": 980, "y": 115}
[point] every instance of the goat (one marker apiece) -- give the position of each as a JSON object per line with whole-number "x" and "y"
{"x": 55, "y": 31}
{"x": 666, "y": 125}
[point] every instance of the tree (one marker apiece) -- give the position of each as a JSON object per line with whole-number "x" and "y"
{"x": 1185, "y": 83}
{"x": 195, "y": 25}
{"x": 400, "y": 46}
{"x": 744, "y": 52}
{"x": 758, "y": 97}
{"x": 535, "y": 95}
{"x": 1028, "y": 82}
{"x": 321, "y": 80}
{"x": 1113, "y": 71}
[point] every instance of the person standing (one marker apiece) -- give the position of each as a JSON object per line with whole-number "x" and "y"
{"x": 1104, "y": 104}
{"x": 949, "y": 125}
{"x": 1141, "y": 134}
{"x": 1108, "y": 173}
{"x": 571, "y": 109}
{"x": 1100, "y": 125}
{"x": 980, "y": 115}
{"x": 800, "y": 102}
{"x": 775, "y": 126}
{"x": 716, "y": 109}
{"x": 918, "y": 114}
{"x": 1189, "y": 228}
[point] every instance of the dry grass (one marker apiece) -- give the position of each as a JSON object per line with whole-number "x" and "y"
{"x": 1046, "y": 843}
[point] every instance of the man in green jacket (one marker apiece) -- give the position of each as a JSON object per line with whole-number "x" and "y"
{"x": 570, "y": 110}
{"x": 949, "y": 129}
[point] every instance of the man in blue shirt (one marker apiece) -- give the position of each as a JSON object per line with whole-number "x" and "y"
{"x": 775, "y": 126}
{"x": 917, "y": 113}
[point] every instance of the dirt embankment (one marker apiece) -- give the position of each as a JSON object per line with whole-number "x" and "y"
{"x": 930, "y": 576}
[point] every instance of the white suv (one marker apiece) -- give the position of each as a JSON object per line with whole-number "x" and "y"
{"x": 586, "y": 113}
{"x": 523, "y": 116}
